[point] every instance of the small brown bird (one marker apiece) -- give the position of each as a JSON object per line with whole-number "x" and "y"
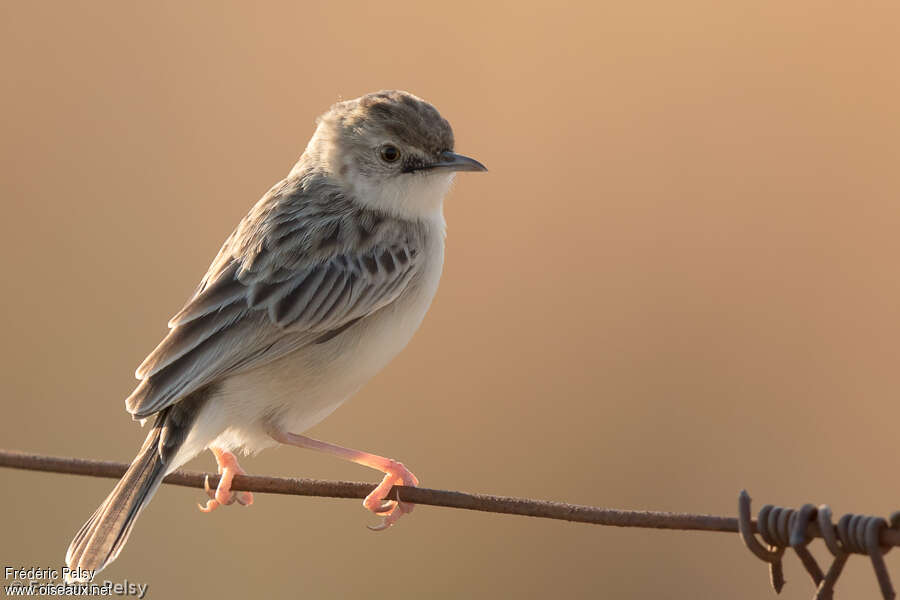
{"x": 321, "y": 284}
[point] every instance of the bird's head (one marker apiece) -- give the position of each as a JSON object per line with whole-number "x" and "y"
{"x": 391, "y": 150}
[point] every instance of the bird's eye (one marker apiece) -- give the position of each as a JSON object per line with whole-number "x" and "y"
{"x": 389, "y": 153}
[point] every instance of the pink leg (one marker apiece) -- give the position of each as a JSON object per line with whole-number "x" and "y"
{"x": 394, "y": 474}
{"x": 228, "y": 468}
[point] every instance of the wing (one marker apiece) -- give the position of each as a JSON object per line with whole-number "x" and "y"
{"x": 304, "y": 265}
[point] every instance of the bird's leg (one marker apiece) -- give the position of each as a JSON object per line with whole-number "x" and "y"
{"x": 394, "y": 474}
{"x": 228, "y": 468}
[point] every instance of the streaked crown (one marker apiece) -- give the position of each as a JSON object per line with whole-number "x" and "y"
{"x": 395, "y": 114}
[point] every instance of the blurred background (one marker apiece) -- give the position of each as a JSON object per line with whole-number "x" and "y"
{"x": 678, "y": 280}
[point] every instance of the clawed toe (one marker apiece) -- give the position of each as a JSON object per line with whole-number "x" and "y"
{"x": 400, "y": 509}
{"x": 211, "y": 504}
{"x": 390, "y": 510}
{"x": 386, "y": 508}
{"x": 225, "y": 497}
{"x": 379, "y": 506}
{"x": 222, "y": 495}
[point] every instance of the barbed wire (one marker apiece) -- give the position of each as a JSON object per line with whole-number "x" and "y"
{"x": 783, "y": 528}
{"x": 779, "y": 527}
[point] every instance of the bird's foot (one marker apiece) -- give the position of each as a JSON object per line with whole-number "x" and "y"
{"x": 222, "y": 495}
{"x": 390, "y": 510}
{"x": 394, "y": 474}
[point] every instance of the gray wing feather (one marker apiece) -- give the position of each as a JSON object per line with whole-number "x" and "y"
{"x": 295, "y": 270}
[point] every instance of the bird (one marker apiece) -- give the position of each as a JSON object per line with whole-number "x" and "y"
{"x": 320, "y": 285}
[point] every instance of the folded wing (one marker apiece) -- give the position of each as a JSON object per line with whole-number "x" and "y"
{"x": 281, "y": 282}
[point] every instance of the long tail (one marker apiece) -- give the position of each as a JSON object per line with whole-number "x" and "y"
{"x": 100, "y": 540}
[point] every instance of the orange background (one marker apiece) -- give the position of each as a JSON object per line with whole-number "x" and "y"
{"x": 678, "y": 280}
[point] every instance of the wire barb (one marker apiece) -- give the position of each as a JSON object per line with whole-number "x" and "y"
{"x": 785, "y": 527}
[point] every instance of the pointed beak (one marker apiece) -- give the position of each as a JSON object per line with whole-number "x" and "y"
{"x": 457, "y": 162}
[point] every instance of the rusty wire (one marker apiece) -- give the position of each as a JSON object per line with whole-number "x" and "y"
{"x": 418, "y": 495}
{"x": 779, "y": 527}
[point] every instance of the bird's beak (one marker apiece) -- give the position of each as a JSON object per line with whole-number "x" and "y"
{"x": 457, "y": 162}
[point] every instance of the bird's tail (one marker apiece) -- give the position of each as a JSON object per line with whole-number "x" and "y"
{"x": 100, "y": 540}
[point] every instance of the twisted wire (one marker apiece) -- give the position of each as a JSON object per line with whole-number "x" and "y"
{"x": 781, "y": 528}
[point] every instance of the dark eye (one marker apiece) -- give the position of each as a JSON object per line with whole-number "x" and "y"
{"x": 390, "y": 153}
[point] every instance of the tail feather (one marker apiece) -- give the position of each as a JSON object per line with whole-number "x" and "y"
{"x": 102, "y": 537}
{"x": 100, "y": 540}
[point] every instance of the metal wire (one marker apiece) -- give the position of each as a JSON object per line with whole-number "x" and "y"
{"x": 785, "y": 527}
{"x": 779, "y": 527}
{"x": 418, "y": 495}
